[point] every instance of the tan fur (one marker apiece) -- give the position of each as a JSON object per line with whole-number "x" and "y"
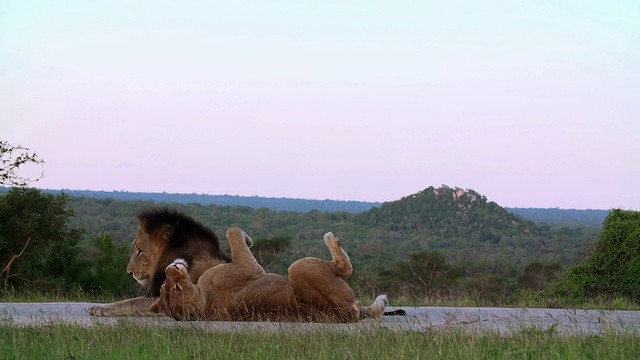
{"x": 149, "y": 254}
{"x": 241, "y": 290}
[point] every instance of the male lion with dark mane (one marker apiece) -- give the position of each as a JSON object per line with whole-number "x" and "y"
{"x": 241, "y": 290}
{"x": 164, "y": 235}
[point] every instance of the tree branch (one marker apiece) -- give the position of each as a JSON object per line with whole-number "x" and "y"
{"x": 7, "y": 268}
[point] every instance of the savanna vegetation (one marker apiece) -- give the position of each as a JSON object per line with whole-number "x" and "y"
{"x": 441, "y": 245}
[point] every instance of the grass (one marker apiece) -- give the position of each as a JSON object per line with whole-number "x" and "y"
{"x": 132, "y": 341}
{"x": 74, "y": 295}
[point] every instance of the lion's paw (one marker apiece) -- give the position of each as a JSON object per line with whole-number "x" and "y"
{"x": 332, "y": 242}
{"x": 381, "y": 300}
{"x": 179, "y": 266}
{"x": 100, "y": 311}
{"x": 235, "y": 233}
{"x": 176, "y": 272}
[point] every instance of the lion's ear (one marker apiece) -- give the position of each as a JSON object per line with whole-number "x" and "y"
{"x": 166, "y": 231}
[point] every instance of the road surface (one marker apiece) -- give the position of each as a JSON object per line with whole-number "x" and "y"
{"x": 502, "y": 320}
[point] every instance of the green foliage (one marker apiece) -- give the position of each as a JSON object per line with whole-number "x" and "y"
{"x": 267, "y": 250}
{"x": 449, "y": 212}
{"x": 40, "y": 251}
{"x": 38, "y": 248}
{"x": 537, "y": 275}
{"x": 486, "y": 288}
{"x": 274, "y": 245}
{"x": 568, "y": 218}
{"x": 425, "y": 274}
{"x": 107, "y": 273}
{"x": 613, "y": 265}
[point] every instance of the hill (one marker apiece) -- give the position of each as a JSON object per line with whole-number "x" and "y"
{"x": 449, "y": 212}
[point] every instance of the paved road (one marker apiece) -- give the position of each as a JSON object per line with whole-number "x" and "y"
{"x": 503, "y": 320}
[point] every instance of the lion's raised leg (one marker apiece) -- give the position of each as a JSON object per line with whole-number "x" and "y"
{"x": 239, "y": 243}
{"x": 318, "y": 285}
{"x": 343, "y": 267}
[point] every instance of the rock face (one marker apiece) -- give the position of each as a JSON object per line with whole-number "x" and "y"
{"x": 457, "y": 193}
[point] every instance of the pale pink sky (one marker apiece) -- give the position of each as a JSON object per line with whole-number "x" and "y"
{"x": 533, "y": 104}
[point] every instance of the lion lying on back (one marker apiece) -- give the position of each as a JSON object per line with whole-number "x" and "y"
{"x": 241, "y": 290}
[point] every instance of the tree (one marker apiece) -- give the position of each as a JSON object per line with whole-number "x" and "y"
{"x": 537, "y": 275}
{"x": 612, "y": 267}
{"x": 13, "y": 157}
{"x": 485, "y": 287}
{"x": 266, "y": 250}
{"x": 107, "y": 264}
{"x": 425, "y": 273}
{"x": 37, "y": 245}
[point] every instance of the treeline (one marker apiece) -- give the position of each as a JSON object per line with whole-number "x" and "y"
{"x": 441, "y": 243}
{"x": 256, "y": 202}
{"x": 563, "y": 217}
{"x": 543, "y": 216}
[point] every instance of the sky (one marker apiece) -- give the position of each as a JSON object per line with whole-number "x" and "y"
{"x": 530, "y": 103}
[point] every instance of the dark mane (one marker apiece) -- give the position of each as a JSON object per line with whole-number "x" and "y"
{"x": 152, "y": 219}
{"x": 189, "y": 239}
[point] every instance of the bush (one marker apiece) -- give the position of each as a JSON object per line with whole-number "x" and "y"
{"x": 488, "y": 288}
{"x": 613, "y": 267}
{"x": 38, "y": 247}
{"x": 107, "y": 270}
{"x": 425, "y": 274}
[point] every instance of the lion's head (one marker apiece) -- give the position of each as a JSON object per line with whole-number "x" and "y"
{"x": 178, "y": 296}
{"x": 164, "y": 235}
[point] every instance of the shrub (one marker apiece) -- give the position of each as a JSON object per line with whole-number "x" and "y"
{"x": 613, "y": 267}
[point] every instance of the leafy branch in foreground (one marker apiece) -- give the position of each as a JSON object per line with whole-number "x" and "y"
{"x": 12, "y": 157}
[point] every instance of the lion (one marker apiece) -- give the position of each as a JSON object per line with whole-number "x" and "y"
{"x": 241, "y": 290}
{"x": 163, "y": 235}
